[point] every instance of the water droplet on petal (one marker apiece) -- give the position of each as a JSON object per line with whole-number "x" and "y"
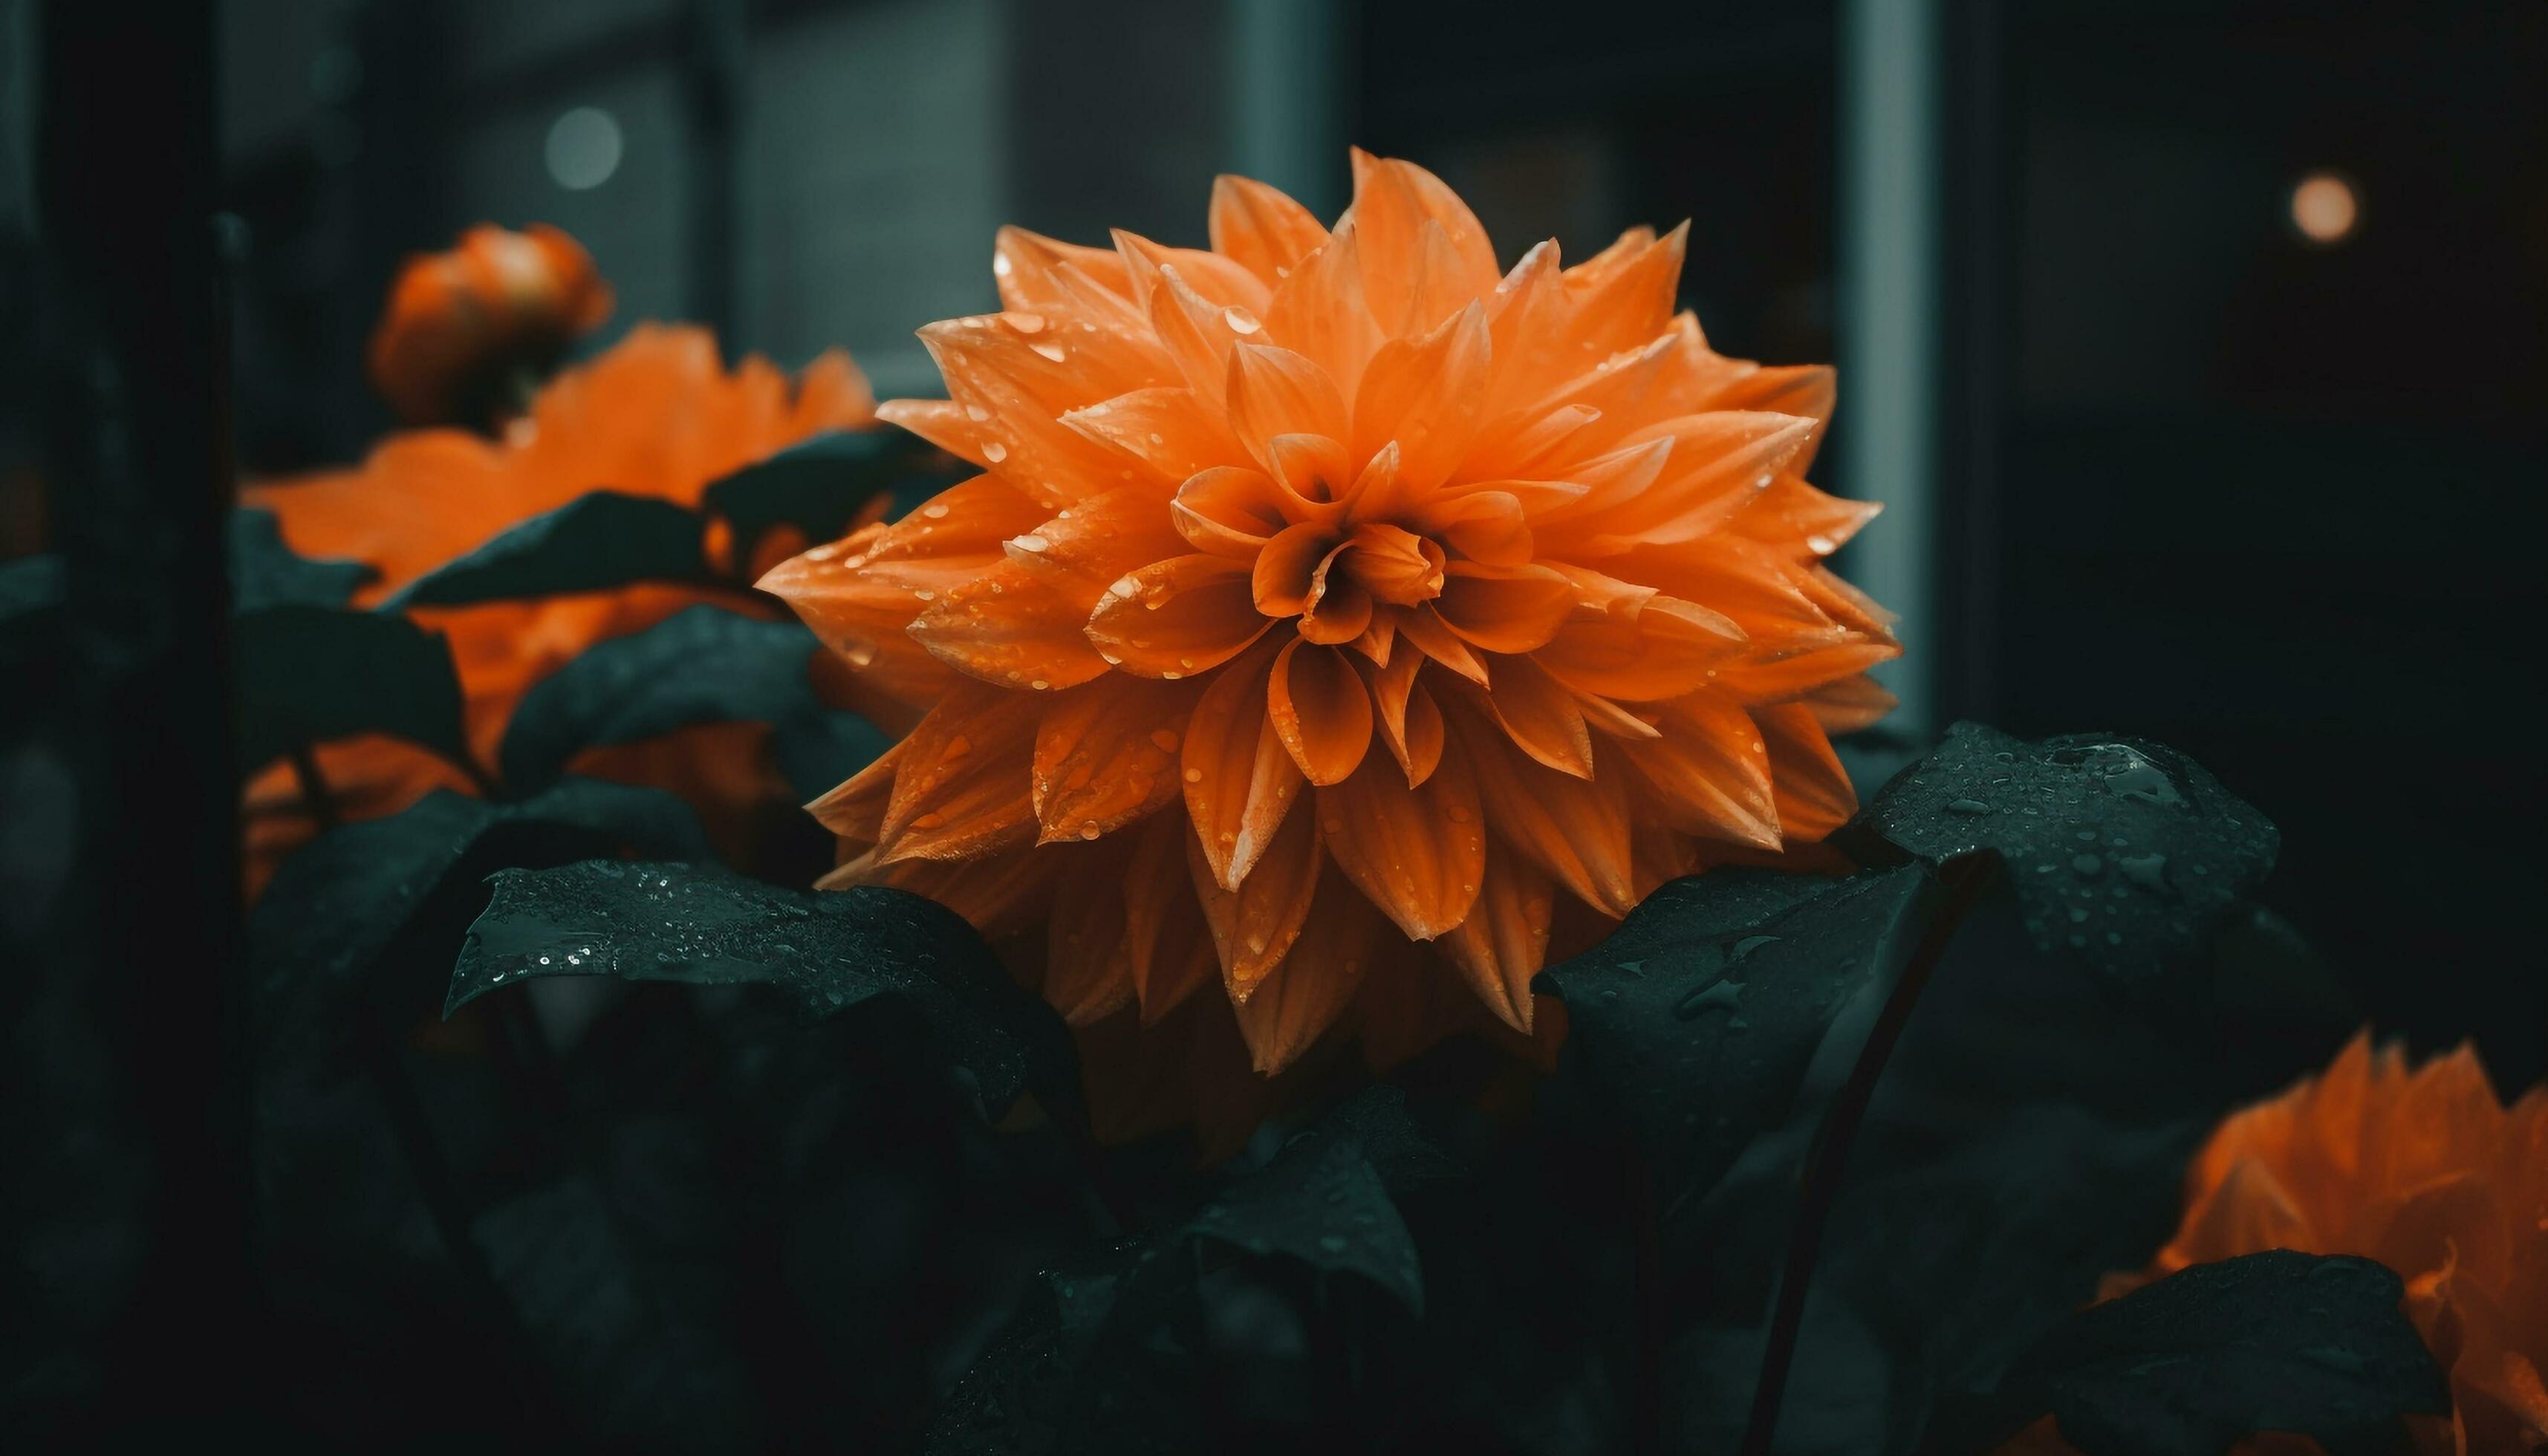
{"x": 995, "y": 452}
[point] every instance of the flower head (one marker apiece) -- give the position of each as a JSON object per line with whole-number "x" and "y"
{"x": 2424, "y": 1170}
{"x": 462, "y": 324}
{"x": 656, "y": 414}
{"x": 1336, "y": 613}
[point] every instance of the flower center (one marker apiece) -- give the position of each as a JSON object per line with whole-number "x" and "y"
{"x": 1334, "y": 579}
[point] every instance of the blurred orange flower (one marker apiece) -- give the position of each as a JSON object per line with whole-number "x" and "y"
{"x": 2427, "y": 1172}
{"x": 657, "y": 415}
{"x": 466, "y": 327}
{"x": 1337, "y": 614}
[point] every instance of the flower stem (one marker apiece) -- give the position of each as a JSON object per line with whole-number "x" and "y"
{"x": 1965, "y": 881}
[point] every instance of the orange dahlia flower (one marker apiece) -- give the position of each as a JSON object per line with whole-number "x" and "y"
{"x": 656, "y": 414}
{"x": 1336, "y": 610}
{"x": 2427, "y": 1172}
{"x": 465, "y": 327}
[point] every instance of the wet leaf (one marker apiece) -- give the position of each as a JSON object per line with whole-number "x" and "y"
{"x": 264, "y": 572}
{"x": 826, "y": 950}
{"x": 820, "y": 484}
{"x": 704, "y": 664}
{"x": 1698, "y": 1019}
{"x": 309, "y": 674}
{"x": 2274, "y": 1341}
{"x": 594, "y": 542}
{"x": 2125, "y": 855}
{"x": 415, "y": 879}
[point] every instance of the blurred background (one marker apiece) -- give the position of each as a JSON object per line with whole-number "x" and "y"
{"x": 2199, "y": 350}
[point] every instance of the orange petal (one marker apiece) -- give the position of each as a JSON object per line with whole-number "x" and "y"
{"x": 1320, "y": 311}
{"x": 1541, "y": 717}
{"x": 998, "y": 894}
{"x": 1814, "y": 794}
{"x": 1807, "y": 389}
{"x": 1398, "y": 566}
{"x": 1260, "y": 228}
{"x": 1275, "y": 391}
{"x": 1107, "y": 754}
{"x": 1177, "y": 617}
{"x": 1215, "y": 280}
{"x": 1848, "y": 705}
{"x": 1286, "y": 572}
{"x": 1301, "y": 998}
{"x": 1340, "y": 611}
{"x": 1504, "y": 940}
{"x": 1790, "y": 673}
{"x": 1320, "y": 710}
{"x": 1410, "y": 722}
{"x": 1574, "y": 829}
{"x": 1168, "y": 945}
{"x": 1087, "y": 975}
{"x": 1719, "y": 464}
{"x": 960, "y": 786}
{"x": 1623, "y": 297}
{"x": 1240, "y": 781}
{"x": 1199, "y": 332}
{"x": 1419, "y": 853}
{"x": 854, "y": 808}
{"x": 1023, "y": 263}
{"x": 1166, "y": 431}
{"x": 1009, "y": 626}
{"x": 1394, "y": 202}
{"x": 1424, "y": 628}
{"x": 1426, "y": 394}
{"x": 1090, "y": 545}
{"x": 1235, "y": 511}
{"x": 1710, "y": 772}
{"x": 1489, "y": 526}
{"x": 1311, "y": 467}
{"x": 1506, "y": 610}
{"x": 1665, "y": 649}
{"x": 1254, "y": 926}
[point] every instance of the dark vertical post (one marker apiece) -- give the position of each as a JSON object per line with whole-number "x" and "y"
{"x": 712, "y": 67}
{"x": 127, "y": 187}
{"x": 1976, "y": 226}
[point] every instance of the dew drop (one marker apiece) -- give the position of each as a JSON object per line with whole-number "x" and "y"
{"x": 995, "y": 452}
{"x": 1240, "y": 320}
{"x": 933, "y": 512}
{"x": 1052, "y": 351}
{"x": 1194, "y": 776}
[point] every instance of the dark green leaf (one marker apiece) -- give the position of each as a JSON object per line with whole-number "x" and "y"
{"x": 415, "y": 879}
{"x": 2125, "y": 855}
{"x": 1325, "y": 1199}
{"x": 1699, "y": 1017}
{"x": 265, "y": 573}
{"x": 820, "y": 484}
{"x": 309, "y": 674}
{"x": 1070, "y": 1371}
{"x": 704, "y": 664}
{"x": 594, "y": 542}
{"x": 2274, "y": 1341}
{"x": 826, "y": 950}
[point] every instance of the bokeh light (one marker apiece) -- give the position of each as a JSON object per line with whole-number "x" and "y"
{"x": 2326, "y": 207}
{"x": 583, "y": 148}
